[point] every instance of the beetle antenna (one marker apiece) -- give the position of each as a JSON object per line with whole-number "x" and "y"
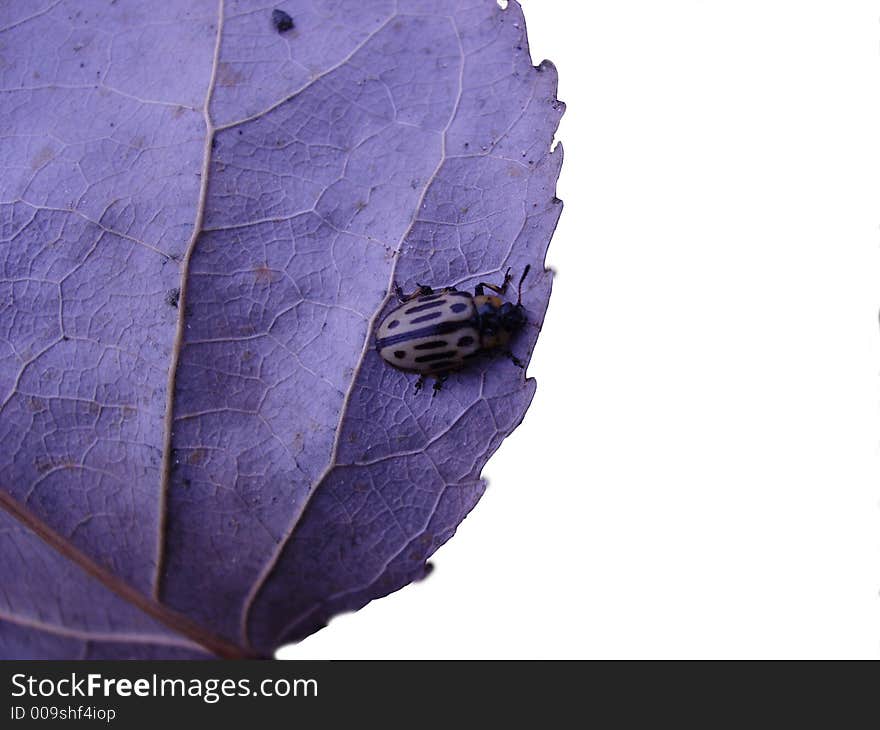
{"x": 521, "y": 280}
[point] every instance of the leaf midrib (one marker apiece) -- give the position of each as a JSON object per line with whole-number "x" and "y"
{"x": 172, "y": 619}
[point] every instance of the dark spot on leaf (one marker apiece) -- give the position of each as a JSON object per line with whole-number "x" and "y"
{"x": 172, "y": 297}
{"x": 227, "y": 75}
{"x": 282, "y": 21}
{"x": 42, "y": 157}
{"x": 196, "y": 457}
{"x": 264, "y": 274}
{"x": 44, "y": 465}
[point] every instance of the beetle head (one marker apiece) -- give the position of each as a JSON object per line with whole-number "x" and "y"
{"x": 512, "y": 317}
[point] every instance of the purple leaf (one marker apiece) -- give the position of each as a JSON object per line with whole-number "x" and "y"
{"x": 202, "y": 214}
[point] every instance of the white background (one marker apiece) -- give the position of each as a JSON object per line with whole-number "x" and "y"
{"x": 698, "y": 473}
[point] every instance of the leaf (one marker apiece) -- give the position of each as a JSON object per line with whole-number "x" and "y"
{"x": 202, "y": 213}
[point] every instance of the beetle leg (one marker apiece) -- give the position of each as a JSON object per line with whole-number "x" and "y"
{"x": 438, "y": 383}
{"x": 421, "y": 291}
{"x": 420, "y": 382}
{"x": 478, "y": 289}
{"x": 515, "y": 360}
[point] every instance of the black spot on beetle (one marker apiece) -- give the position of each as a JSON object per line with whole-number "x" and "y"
{"x": 423, "y": 307}
{"x": 173, "y": 297}
{"x": 399, "y": 354}
{"x": 433, "y": 345}
{"x": 466, "y": 341}
{"x": 427, "y": 317}
{"x": 393, "y": 323}
{"x": 282, "y": 21}
{"x": 459, "y": 307}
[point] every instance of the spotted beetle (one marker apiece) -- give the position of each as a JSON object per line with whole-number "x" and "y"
{"x": 434, "y": 333}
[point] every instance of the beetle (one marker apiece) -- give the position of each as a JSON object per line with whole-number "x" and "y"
{"x": 435, "y": 333}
